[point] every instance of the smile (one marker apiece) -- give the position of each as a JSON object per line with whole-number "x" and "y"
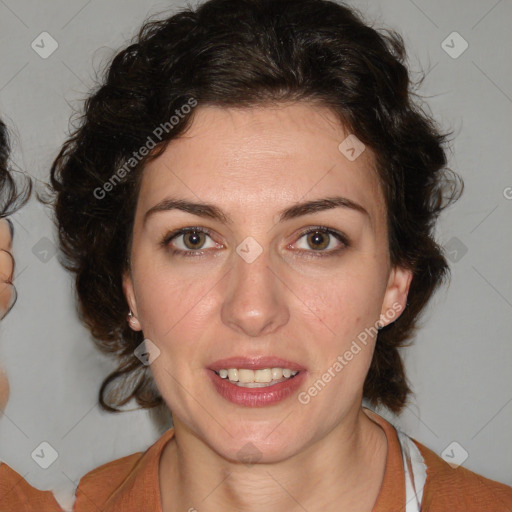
{"x": 256, "y": 394}
{"x": 266, "y": 377}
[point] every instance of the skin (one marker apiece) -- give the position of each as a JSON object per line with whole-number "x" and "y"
{"x": 252, "y": 163}
{"x": 6, "y": 294}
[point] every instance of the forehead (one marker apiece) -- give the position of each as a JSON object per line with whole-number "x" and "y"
{"x": 261, "y": 158}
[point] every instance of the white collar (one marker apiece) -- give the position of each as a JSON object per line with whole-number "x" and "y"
{"x": 415, "y": 471}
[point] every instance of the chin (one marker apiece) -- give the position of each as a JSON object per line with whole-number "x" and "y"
{"x": 249, "y": 452}
{"x": 251, "y": 444}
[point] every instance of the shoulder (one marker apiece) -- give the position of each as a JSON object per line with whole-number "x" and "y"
{"x": 129, "y": 479}
{"x": 95, "y": 487}
{"x": 17, "y": 494}
{"x": 449, "y": 488}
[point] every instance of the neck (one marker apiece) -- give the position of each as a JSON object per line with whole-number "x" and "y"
{"x": 342, "y": 471}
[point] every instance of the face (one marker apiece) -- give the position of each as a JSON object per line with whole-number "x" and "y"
{"x": 252, "y": 284}
{"x": 6, "y": 293}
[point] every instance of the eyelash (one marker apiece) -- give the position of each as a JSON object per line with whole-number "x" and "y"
{"x": 315, "y": 254}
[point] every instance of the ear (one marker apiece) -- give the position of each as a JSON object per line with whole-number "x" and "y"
{"x": 395, "y": 297}
{"x": 132, "y": 303}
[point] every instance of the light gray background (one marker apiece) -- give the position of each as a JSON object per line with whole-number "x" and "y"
{"x": 460, "y": 363}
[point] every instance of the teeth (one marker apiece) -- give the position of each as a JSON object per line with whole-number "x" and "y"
{"x": 263, "y": 375}
{"x": 256, "y": 384}
{"x": 245, "y": 375}
{"x": 277, "y": 373}
{"x": 233, "y": 374}
{"x": 256, "y": 378}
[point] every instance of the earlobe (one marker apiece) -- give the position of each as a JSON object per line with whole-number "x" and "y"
{"x": 131, "y": 317}
{"x": 395, "y": 298}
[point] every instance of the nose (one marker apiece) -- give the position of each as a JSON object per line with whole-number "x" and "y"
{"x": 255, "y": 297}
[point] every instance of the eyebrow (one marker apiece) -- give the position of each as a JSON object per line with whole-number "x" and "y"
{"x": 213, "y": 212}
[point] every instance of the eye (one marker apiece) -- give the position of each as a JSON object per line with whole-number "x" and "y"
{"x": 192, "y": 241}
{"x": 323, "y": 241}
{"x": 188, "y": 241}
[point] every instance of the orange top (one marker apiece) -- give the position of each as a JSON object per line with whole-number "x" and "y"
{"x": 16, "y": 495}
{"x": 131, "y": 484}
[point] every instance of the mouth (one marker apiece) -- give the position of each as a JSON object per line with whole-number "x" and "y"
{"x": 247, "y": 378}
{"x": 256, "y": 382}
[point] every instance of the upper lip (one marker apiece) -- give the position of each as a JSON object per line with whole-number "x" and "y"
{"x": 255, "y": 363}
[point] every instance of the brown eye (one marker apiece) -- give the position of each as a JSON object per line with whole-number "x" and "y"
{"x": 322, "y": 241}
{"x": 190, "y": 241}
{"x": 194, "y": 239}
{"x": 318, "y": 240}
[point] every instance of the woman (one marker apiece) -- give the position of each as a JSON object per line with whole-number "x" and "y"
{"x": 15, "y": 493}
{"x": 249, "y": 208}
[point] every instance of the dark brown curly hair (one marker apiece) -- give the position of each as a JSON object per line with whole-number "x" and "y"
{"x": 242, "y": 53}
{"x": 13, "y": 195}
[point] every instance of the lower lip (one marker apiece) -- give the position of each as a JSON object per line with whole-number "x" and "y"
{"x": 256, "y": 397}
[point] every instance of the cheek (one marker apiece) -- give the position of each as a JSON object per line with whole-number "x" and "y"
{"x": 169, "y": 301}
{"x": 175, "y": 312}
{"x": 344, "y": 302}
{"x": 340, "y": 315}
